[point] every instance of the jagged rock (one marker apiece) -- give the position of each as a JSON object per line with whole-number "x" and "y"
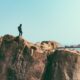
{"x": 62, "y": 65}
{"x": 49, "y": 46}
{"x": 18, "y": 63}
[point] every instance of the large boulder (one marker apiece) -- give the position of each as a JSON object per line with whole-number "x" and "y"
{"x": 62, "y": 65}
{"x": 16, "y": 61}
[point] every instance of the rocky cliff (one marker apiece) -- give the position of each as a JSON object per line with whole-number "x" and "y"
{"x": 23, "y": 60}
{"x": 62, "y": 65}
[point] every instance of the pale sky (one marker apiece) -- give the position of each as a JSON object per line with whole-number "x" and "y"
{"x": 57, "y": 20}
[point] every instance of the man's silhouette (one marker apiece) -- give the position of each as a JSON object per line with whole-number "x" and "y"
{"x": 20, "y": 30}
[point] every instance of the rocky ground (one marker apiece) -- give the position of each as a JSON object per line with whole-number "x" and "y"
{"x": 23, "y": 60}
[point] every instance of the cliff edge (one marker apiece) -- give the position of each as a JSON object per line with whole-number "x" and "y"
{"x": 23, "y": 60}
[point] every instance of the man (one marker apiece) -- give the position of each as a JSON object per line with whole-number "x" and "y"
{"x": 20, "y": 30}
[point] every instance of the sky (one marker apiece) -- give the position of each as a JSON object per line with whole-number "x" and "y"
{"x": 56, "y": 20}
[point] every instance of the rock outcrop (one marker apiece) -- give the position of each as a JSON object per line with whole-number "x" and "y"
{"x": 62, "y": 65}
{"x": 23, "y": 60}
{"x": 17, "y": 61}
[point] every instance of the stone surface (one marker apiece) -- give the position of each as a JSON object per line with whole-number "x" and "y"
{"x": 62, "y": 65}
{"x": 23, "y": 60}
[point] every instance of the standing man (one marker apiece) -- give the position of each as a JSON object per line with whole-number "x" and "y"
{"x": 20, "y": 30}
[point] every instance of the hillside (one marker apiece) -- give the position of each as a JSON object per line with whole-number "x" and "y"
{"x": 23, "y": 60}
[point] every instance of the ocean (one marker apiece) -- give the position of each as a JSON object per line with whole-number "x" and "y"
{"x": 75, "y": 49}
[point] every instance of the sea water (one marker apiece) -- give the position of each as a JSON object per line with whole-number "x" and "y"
{"x": 77, "y": 49}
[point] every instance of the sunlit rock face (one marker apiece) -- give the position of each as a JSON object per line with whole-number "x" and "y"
{"x": 23, "y": 60}
{"x": 62, "y": 65}
{"x": 16, "y": 61}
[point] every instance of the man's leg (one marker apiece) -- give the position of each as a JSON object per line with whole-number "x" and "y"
{"x": 21, "y": 33}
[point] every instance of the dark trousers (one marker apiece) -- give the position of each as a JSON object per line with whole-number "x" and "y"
{"x": 20, "y": 33}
